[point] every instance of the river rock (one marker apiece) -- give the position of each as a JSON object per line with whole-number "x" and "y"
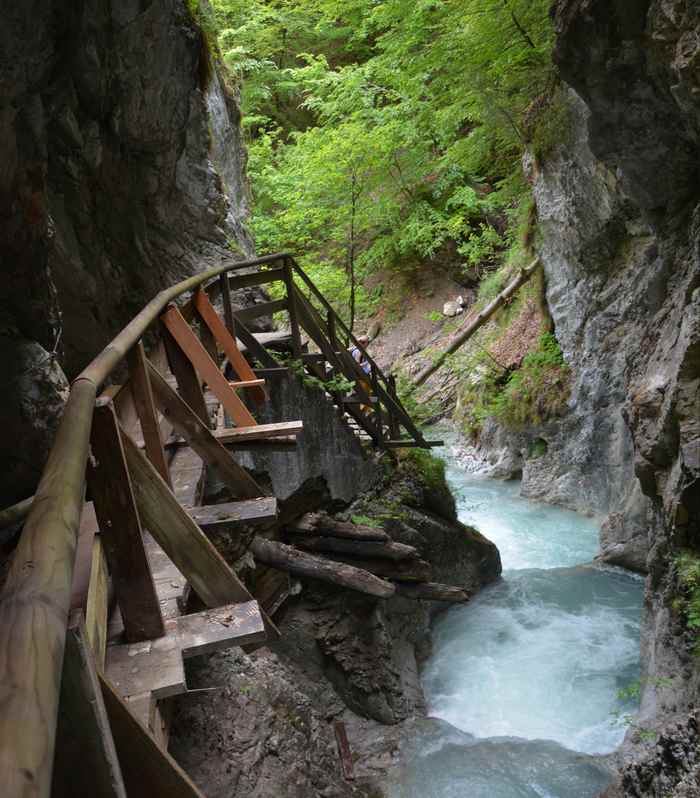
{"x": 452, "y": 308}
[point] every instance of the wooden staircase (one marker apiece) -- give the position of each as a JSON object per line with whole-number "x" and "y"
{"x": 95, "y": 617}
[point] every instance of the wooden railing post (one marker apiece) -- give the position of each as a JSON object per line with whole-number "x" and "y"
{"x": 115, "y": 507}
{"x": 394, "y": 429}
{"x": 146, "y": 411}
{"x": 188, "y": 384}
{"x": 229, "y": 318}
{"x": 292, "y": 309}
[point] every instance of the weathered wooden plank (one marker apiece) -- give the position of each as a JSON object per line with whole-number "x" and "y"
{"x": 97, "y": 605}
{"x": 188, "y": 383}
{"x": 218, "y": 329}
{"x": 205, "y": 366}
{"x": 225, "y": 291}
{"x": 356, "y": 548}
{"x": 143, "y": 399}
{"x": 236, "y": 434}
{"x": 83, "y": 557}
{"x": 208, "y": 341}
{"x": 148, "y": 770}
{"x": 255, "y": 383}
{"x": 283, "y": 444}
{"x": 261, "y": 309}
{"x": 257, "y": 278}
{"x": 344, "y": 750}
{"x": 219, "y": 628}
{"x": 182, "y": 540}
{"x": 122, "y": 537}
{"x": 279, "y": 555}
{"x": 86, "y": 760}
{"x": 324, "y": 524}
{"x": 277, "y": 371}
{"x": 293, "y": 310}
{"x": 432, "y": 591}
{"x": 201, "y": 439}
{"x": 220, "y": 518}
{"x": 152, "y": 666}
{"x": 272, "y": 588}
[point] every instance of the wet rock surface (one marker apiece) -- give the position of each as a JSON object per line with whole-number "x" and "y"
{"x": 343, "y": 655}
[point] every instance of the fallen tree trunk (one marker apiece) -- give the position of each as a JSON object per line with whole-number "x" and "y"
{"x": 323, "y": 524}
{"x": 432, "y": 591}
{"x": 479, "y": 320}
{"x": 358, "y": 548}
{"x": 403, "y": 570}
{"x": 287, "y": 558}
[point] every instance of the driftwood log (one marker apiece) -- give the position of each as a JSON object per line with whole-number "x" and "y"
{"x": 287, "y": 558}
{"x": 323, "y": 524}
{"x": 432, "y": 591}
{"x": 402, "y": 570}
{"x": 358, "y": 548}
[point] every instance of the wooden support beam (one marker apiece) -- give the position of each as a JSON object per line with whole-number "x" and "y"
{"x": 183, "y": 541}
{"x": 275, "y": 430}
{"x": 225, "y": 287}
{"x": 277, "y": 371}
{"x": 148, "y": 770}
{"x": 154, "y": 666}
{"x": 293, "y": 311}
{"x": 252, "y": 383}
{"x": 208, "y": 341}
{"x": 188, "y": 383}
{"x": 143, "y": 399}
{"x": 228, "y": 343}
{"x": 257, "y": 278}
{"x": 216, "y": 519}
{"x": 202, "y": 439}
{"x": 115, "y": 507}
{"x": 216, "y": 629}
{"x": 205, "y": 366}
{"x": 287, "y": 558}
{"x": 324, "y": 524}
{"x": 388, "y": 550}
{"x": 253, "y": 347}
{"x": 97, "y": 604}
{"x": 344, "y": 750}
{"x": 86, "y": 760}
{"x": 261, "y": 309}
{"x": 431, "y": 591}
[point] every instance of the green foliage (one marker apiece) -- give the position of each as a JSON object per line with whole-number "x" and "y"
{"x": 422, "y": 411}
{"x": 434, "y": 315}
{"x": 365, "y": 520}
{"x": 688, "y": 601}
{"x": 430, "y": 468}
{"x": 339, "y": 383}
{"x": 382, "y": 134}
{"x": 532, "y": 394}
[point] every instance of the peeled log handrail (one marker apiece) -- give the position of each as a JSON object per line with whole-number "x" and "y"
{"x": 481, "y": 318}
{"x": 35, "y": 599}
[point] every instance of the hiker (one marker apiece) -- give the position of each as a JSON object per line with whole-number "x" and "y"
{"x": 359, "y": 355}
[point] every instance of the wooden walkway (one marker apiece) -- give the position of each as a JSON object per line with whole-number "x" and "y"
{"x": 117, "y": 540}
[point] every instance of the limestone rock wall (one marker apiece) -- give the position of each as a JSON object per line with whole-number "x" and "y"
{"x": 122, "y": 172}
{"x": 620, "y": 242}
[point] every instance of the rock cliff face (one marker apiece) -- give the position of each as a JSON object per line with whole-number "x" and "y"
{"x": 122, "y": 172}
{"x": 620, "y": 242}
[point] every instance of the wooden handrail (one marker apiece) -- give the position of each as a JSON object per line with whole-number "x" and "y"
{"x": 35, "y": 599}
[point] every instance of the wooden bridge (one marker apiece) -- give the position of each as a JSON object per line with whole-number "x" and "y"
{"x": 94, "y": 628}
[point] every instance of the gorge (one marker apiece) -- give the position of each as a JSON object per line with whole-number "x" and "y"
{"x": 409, "y": 153}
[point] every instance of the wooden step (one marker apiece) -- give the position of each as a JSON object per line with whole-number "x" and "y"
{"x": 219, "y": 518}
{"x": 156, "y": 666}
{"x": 235, "y": 434}
{"x": 246, "y": 383}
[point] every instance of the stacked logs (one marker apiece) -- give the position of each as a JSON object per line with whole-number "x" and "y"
{"x": 354, "y": 556}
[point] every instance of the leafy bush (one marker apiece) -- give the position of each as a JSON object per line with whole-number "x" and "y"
{"x": 536, "y": 392}
{"x": 430, "y": 468}
{"x": 688, "y": 601}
